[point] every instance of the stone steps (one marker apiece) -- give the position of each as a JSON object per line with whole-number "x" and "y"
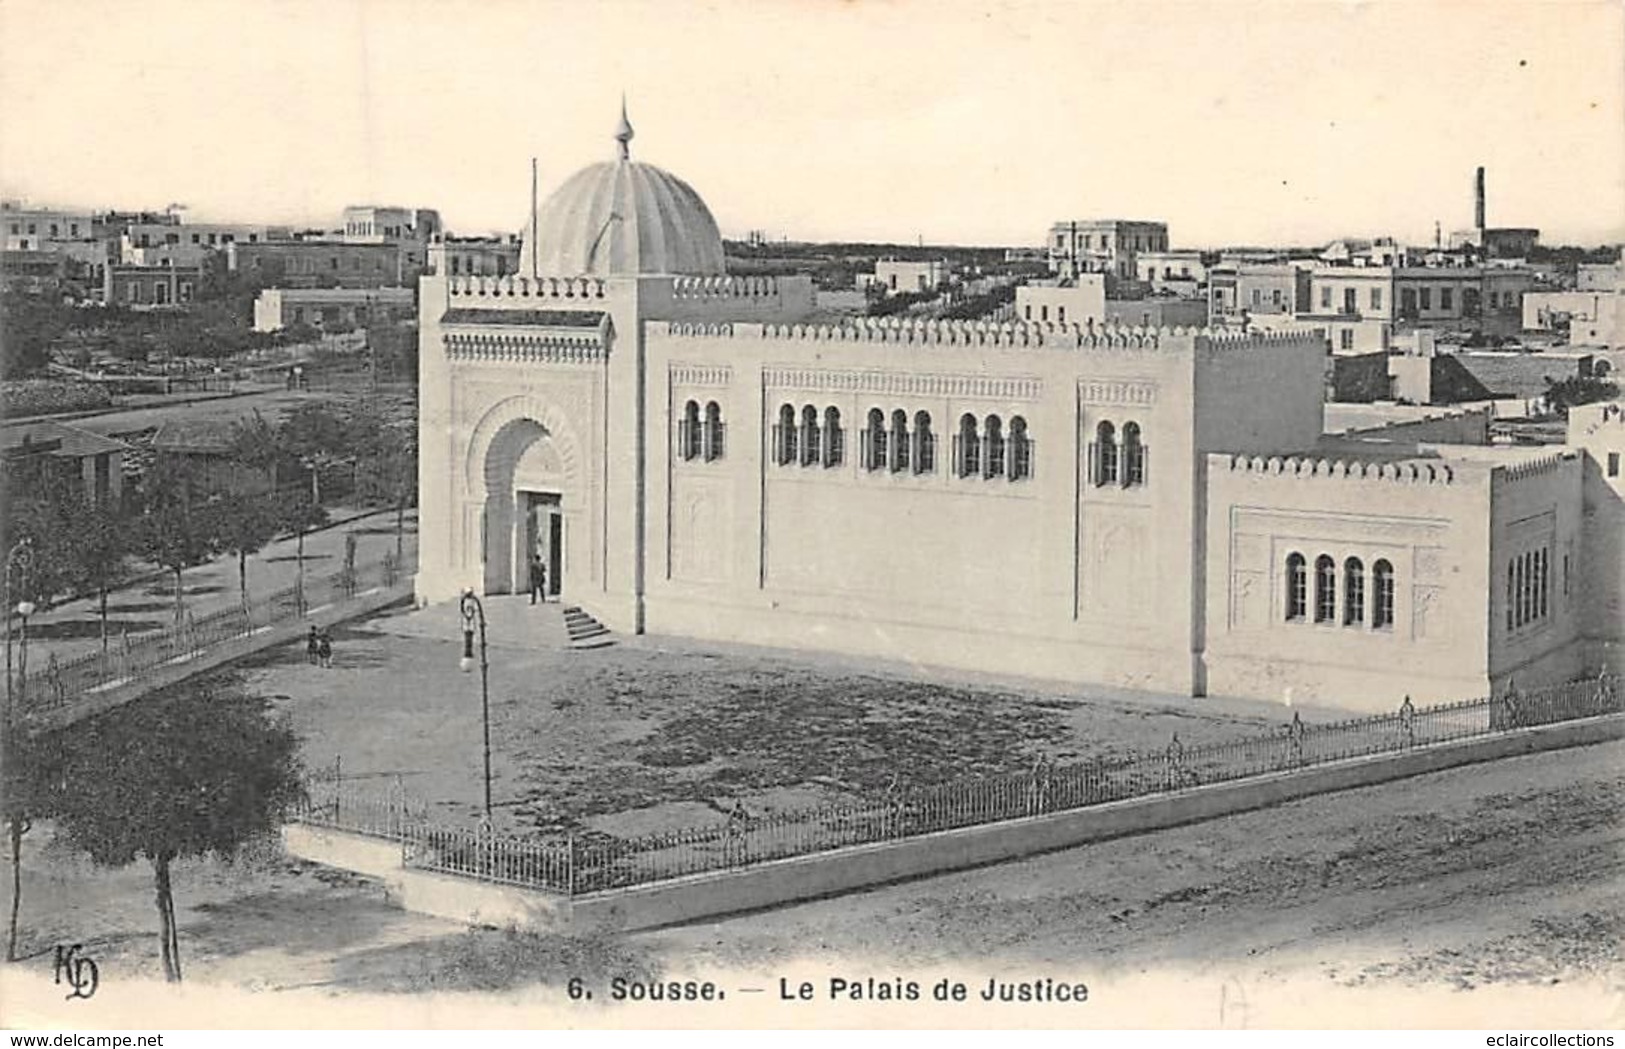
{"x": 584, "y": 630}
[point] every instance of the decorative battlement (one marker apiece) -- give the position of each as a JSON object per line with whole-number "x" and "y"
{"x": 1546, "y": 464}
{"x": 706, "y": 289}
{"x": 1408, "y": 471}
{"x": 1015, "y": 334}
{"x": 528, "y": 288}
{"x": 551, "y": 348}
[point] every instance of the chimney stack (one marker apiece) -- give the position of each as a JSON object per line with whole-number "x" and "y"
{"x": 1478, "y": 200}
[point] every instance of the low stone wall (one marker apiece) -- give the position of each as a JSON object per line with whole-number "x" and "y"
{"x": 824, "y": 874}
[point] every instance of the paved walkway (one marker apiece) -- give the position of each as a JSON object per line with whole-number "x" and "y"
{"x": 74, "y": 628}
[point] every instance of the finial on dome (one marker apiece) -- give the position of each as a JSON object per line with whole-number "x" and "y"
{"x": 623, "y": 131}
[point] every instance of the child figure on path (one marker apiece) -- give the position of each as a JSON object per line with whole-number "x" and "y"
{"x": 325, "y": 650}
{"x": 313, "y": 647}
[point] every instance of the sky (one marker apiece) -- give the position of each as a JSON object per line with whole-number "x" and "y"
{"x": 951, "y": 121}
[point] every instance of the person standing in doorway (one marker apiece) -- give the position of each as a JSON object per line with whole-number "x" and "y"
{"x": 538, "y": 579}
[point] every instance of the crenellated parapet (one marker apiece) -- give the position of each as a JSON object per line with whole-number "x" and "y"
{"x": 1011, "y": 334}
{"x": 524, "y": 347}
{"x": 524, "y": 289}
{"x": 1530, "y": 468}
{"x": 1407, "y": 471}
{"x": 709, "y": 289}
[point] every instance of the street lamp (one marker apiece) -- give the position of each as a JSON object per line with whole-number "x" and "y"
{"x": 24, "y": 610}
{"x": 19, "y": 559}
{"x": 474, "y": 614}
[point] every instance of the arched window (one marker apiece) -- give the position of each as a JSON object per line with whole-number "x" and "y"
{"x": 875, "y": 436}
{"x": 786, "y": 435}
{"x": 1325, "y": 589}
{"x": 1133, "y": 456}
{"x": 834, "y": 437}
{"x": 1382, "y": 585}
{"x": 688, "y": 432}
{"x": 899, "y": 441}
{"x": 1542, "y": 589}
{"x": 1021, "y": 450}
{"x": 1353, "y": 592}
{"x": 993, "y": 464}
{"x": 1297, "y": 587}
{"x": 925, "y": 444}
{"x": 809, "y": 435}
{"x": 713, "y": 432}
{"x": 1517, "y": 600}
{"x": 969, "y": 452}
{"x": 1105, "y": 454}
{"x": 1523, "y": 589}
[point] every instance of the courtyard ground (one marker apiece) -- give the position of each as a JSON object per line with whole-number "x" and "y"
{"x": 1491, "y": 895}
{"x": 655, "y": 734}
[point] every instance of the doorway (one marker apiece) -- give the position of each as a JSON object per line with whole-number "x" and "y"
{"x": 544, "y": 536}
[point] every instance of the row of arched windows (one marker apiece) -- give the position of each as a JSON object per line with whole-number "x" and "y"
{"x": 1351, "y": 610}
{"x": 989, "y": 450}
{"x": 1118, "y": 460}
{"x": 1529, "y": 588}
{"x": 700, "y": 435}
{"x": 896, "y": 442}
{"x": 809, "y": 438}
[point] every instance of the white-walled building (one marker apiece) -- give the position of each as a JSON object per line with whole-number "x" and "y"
{"x": 278, "y": 308}
{"x": 1081, "y": 301}
{"x": 1142, "y": 508}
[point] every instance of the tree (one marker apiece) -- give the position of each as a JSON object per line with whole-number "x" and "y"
{"x": 27, "y": 780}
{"x": 298, "y": 513}
{"x": 177, "y": 528}
{"x": 1566, "y": 393}
{"x": 246, "y": 523}
{"x": 42, "y": 523}
{"x": 202, "y": 771}
{"x": 99, "y": 543}
{"x": 387, "y": 463}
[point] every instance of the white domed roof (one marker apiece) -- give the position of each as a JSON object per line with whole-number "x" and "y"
{"x": 621, "y": 218}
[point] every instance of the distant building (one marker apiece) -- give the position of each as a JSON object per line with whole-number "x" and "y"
{"x": 278, "y": 308}
{"x": 1109, "y": 246}
{"x": 1509, "y": 242}
{"x": 1476, "y": 299}
{"x": 139, "y": 286}
{"x": 33, "y": 229}
{"x": 1172, "y": 272}
{"x": 1593, "y": 318}
{"x": 1080, "y": 301}
{"x": 373, "y": 224}
{"x": 1166, "y": 311}
{"x": 52, "y": 456}
{"x": 900, "y": 275}
{"x": 1605, "y": 276}
{"x": 1235, "y": 289}
{"x": 188, "y": 243}
{"x": 327, "y": 264}
{"x": 473, "y": 256}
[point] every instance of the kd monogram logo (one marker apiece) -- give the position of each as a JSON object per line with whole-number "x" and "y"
{"x": 78, "y": 971}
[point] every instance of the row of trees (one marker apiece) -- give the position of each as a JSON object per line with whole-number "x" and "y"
{"x": 175, "y": 521}
{"x": 203, "y": 769}
{"x": 83, "y": 547}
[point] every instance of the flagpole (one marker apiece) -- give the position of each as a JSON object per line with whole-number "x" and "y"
{"x": 535, "y": 248}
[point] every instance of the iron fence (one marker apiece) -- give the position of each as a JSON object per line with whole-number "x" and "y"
{"x": 574, "y": 867}
{"x": 128, "y": 656}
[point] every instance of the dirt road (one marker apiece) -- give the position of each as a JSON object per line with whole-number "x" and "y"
{"x": 1493, "y": 892}
{"x": 1499, "y": 874}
